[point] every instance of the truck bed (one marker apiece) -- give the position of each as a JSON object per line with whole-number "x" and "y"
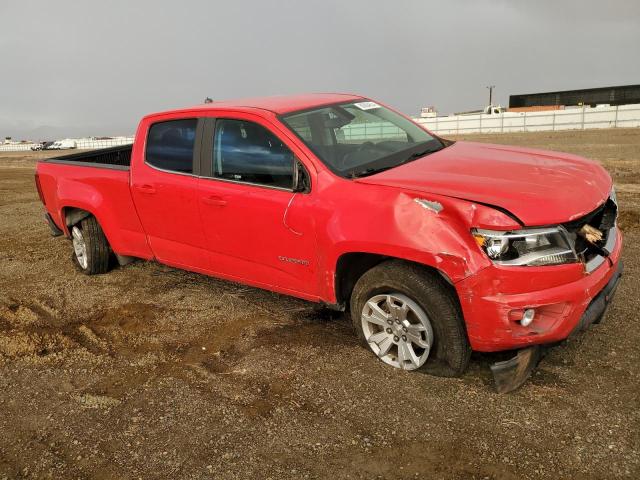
{"x": 118, "y": 158}
{"x": 98, "y": 182}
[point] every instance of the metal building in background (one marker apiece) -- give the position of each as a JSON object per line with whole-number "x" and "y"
{"x": 621, "y": 95}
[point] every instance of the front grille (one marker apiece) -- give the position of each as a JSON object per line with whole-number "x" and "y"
{"x": 609, "y": 215}
{"x": 602, "y": 218}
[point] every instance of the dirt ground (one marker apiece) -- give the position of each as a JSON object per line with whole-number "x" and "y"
{"x": 150, "y": 372}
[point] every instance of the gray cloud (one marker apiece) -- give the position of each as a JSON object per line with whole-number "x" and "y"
{"x": 95, "y": 67}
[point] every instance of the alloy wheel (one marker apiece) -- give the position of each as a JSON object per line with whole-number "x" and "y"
{"x": 79, "y": 247}
{"x": 398, "y": 330}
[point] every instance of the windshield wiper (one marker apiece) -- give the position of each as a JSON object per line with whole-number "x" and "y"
{"x": 369, "y": 171}
{"x": 416, "y": 155}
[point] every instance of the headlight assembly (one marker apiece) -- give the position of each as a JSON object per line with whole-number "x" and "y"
{"x": 527, "y": 247}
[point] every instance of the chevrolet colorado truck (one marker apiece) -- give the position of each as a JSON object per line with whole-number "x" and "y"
{"x": 435, "y": 247}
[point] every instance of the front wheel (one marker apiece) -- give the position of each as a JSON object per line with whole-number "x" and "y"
{"x": 410, "y": 320}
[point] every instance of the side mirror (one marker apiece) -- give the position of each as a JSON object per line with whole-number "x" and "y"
{"x": 301, "y": 181}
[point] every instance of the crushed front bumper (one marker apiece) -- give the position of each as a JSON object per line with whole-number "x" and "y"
{"x": 511, "y": 374}
{"x": 566, "y": 298}
{"x": 598, "y": 306}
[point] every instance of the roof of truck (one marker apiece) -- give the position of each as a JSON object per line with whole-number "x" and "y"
{"x": 277, "y": 104}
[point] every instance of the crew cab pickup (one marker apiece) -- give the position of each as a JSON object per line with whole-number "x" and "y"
{"x": 436, "y": 247}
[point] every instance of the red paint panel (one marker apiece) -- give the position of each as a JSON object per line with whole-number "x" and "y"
{"x": 561, "y": 294}
{"x": 103, "y": 192}
{"x": 291, "y": 243}
{"x": 537, "y": 186}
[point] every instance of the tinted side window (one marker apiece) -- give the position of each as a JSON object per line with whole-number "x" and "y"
{"x": 300, "y": 124}
{"x": 247, "y": 152}
{"x": 170, "y": 145}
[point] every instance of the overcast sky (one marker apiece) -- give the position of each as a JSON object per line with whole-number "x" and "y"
{"x": 94, "y": 67}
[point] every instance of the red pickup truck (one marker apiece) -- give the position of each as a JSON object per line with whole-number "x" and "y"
{"x": 436, "y": 248}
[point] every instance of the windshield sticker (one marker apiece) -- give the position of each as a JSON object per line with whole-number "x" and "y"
{"x": 367, "y": 105}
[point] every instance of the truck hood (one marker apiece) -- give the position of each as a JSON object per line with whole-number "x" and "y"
{"x": 539, "y": 187}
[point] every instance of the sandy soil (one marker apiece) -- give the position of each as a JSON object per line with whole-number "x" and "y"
{"x": 150, "y": 372}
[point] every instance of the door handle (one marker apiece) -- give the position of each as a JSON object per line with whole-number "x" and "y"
{"x": 146, "y": 188}
{"x": 214, "y": 201}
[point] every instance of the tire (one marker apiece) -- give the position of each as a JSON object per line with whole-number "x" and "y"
{"x": 414, "y": 288}
{"x": 96, "y": 252}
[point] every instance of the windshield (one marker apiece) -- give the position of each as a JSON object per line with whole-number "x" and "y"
{"x": 361, "y": 138}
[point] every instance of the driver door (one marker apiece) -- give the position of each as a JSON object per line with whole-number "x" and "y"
{"x": 256, "y": 227}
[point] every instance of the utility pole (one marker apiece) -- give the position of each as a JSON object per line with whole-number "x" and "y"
{"x": 491, "y": 87}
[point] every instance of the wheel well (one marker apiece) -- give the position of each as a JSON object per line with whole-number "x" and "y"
{"x": 351, "y": 266}
{"x": 73, "y": 215}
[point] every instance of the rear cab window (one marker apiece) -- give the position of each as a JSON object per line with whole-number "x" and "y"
{"x": 170, "y": 145}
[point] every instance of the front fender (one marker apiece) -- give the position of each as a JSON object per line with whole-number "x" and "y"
{"x": 434, "y": 231}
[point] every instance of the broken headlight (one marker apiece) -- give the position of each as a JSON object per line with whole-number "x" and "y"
{"x": 527, "y": 247}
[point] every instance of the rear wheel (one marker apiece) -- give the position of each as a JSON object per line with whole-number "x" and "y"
{"x": 90, "y": 247}
{"x": 409, "y": 319}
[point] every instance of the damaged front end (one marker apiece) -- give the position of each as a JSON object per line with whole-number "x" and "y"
{"x": 594, "y": 235}
{"x": 589, "y": 240}
{"x": 509, "y": 375}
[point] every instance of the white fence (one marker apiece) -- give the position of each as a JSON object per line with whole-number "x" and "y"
{"x": 373, "y": 130}
{"x": 80, "y": 143}
{"x": 15, "y": 147}
{"x": 87, "y": 143}
{"x": 568, "y": 119}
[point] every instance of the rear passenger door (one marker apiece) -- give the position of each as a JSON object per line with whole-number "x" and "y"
{"x": 164, "y": 188}
{"x": 257, "y": 229}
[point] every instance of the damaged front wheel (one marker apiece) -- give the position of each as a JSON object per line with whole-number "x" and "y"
{"x": 397, "y": 330}
{"x": 409, "y": 319}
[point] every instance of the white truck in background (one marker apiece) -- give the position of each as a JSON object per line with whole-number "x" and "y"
{"x": 494, "y": 109}
{"x": 65, "y": 144}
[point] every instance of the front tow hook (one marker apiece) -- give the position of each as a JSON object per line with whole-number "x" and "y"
{"x": 511, "y": 374}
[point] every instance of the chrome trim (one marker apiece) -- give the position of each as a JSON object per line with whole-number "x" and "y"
{"x": 249, "y": 183}
{"x": 589, "y": 266}
{"x": 526, "y": 260}
{"x": 529, "y": 232}
{"x": 612, "y": 239}
{"x": 595, "y": 262}
{"x": 174, "y": 172}
{"x": 202, "y": 177}
{"x": 612, "y": 196}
